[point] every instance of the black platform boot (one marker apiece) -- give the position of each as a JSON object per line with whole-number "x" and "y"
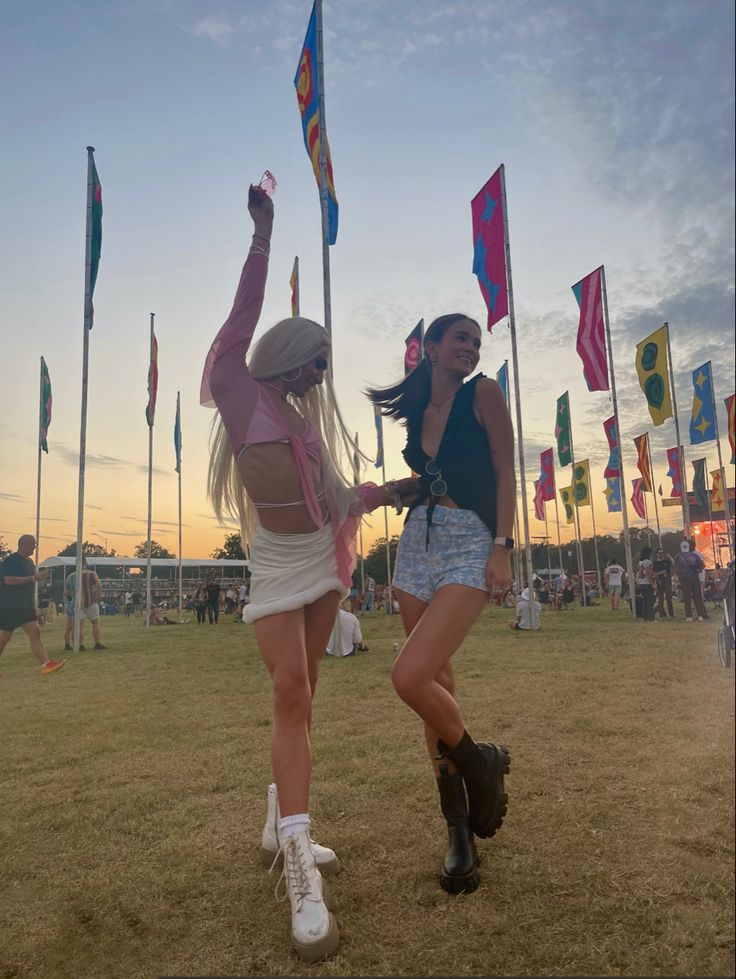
{"x": 460, "y": 868}
{"x": 482, "y": 767}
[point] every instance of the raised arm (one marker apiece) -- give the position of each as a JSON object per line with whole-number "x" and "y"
{"x": 225, "y": 364}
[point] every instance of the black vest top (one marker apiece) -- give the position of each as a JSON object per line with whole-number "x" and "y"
{"x": 463, "y": 457}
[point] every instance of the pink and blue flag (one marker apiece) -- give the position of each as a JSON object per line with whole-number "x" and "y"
{"x": 538, "y": 500}
{"x": 489, "y": 247}
{"x": 591, "y": 344}
{"x": 674, "y": 457}
{"x": 613, "y": 468}
{"x": 306, "y": 82}
{"x": 547, "y": 474}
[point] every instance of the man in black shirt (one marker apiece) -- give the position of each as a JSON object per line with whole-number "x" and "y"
{"x": 18, "y": 577}
{"x": 213, "y": 601}
{"x": 662, "y": 567}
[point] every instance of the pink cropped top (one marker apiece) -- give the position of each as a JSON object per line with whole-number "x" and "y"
{"x": 250, "y": 414}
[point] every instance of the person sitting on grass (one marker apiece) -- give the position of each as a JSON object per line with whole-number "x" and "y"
{"x": 523, "y": 618}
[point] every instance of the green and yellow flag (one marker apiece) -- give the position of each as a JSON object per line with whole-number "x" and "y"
{"x": 700, "y": 487}
{"x": 654, "y": 377}
{"x": 581, "y": 483}
{"x": 566, "y": 495}
{"x": 562, "y": 429}
{"x": 45, "y": 407}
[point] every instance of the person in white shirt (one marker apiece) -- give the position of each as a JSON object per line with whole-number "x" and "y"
{"x": 346, "y": 636}
{"x": 613, "y": 577}
{"x": 524, "y": 611}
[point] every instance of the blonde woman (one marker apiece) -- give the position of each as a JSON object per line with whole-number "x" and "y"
{"x": 276, "y": 463}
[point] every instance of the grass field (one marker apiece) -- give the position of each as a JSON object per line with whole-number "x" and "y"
{"x": 133, "y": 795}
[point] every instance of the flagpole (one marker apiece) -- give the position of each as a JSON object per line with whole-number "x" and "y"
{"x": 557, "y": 518}
{"x": 654, "y": 492}
{"x": 181, "y": 583}
{"x": 622, "y": 493}
{"x": 516, "y": 554}
{"x": 724, "y": 482}
{"x": 646, "y": 514}
{"x": 85, "y": 383}
{"x": 360, "y": 531}
{"x": 323, "y": 172}
{"x": 38, "y": 481}
{"x": 546, "y": 534}
{"x": 576, "y": 524}
{"x": 595, "y": 535}
{"x": 710, "y": 510}
{"x": 150, "y": 492}
{"x": 680, "y": 446}
{"x": 388, "y": 548}
{"x": 533, "y": 617}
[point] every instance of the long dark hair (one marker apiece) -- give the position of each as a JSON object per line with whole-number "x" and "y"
{"x": 407, "y": 400}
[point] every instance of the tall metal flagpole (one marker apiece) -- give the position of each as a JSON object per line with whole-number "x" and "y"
{"x": 533, "y": 615}
{"x": 710, "y": 513}
{"x": 557, "y": 518}
{"x": 624, "y": 501}
{"x": 181, "y": 583}
{"x": 360, "y": 528}
{"x": 724, "y": 483}
{"x": 38, "y": 480}
{"x": 323, "y": 173}
{"x": 646, "y": 514}
{"x": 150, "y": 491}
{"x": 680, "y": 447}
{"x": 388, "y": 549}
{"x": 546, "y": 534}
{"x": 83, "y": 424}
{"x": 654, "y": 492}
{"x": 578, "y": 543}
{"x": 595, "y": 536}
{"x": 516, "y": 551}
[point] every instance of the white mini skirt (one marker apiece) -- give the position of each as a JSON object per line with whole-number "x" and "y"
{"x": 289, "y": 571}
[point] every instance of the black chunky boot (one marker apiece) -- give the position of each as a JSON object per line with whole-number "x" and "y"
{"x": 482, "y": 767}
{"x": 460, "y": 868}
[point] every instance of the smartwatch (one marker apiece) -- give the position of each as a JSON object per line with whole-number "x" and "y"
{"x": 507, "y": 542}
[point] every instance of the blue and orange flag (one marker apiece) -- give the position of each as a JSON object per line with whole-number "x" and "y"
{"x": 306, "y": 82}
{"x": 489, "y": 247}
{"x": 702, "y": 420}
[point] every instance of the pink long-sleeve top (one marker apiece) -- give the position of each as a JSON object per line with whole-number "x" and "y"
{"x": 250, "y": 414}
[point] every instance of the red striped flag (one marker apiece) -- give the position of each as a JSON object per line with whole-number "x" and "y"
{"x": 642, "y": 462}
{"x": 591, "y": 343}
{"x": 637, "y": 497}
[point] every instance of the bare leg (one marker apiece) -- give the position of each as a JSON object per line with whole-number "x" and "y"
{"x": 96, "y": 631}
{"x": 319, "y": 620}
{"x": 33, "y": 631}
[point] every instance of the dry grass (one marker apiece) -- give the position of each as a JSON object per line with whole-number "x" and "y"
{"x": 133, "y": 794}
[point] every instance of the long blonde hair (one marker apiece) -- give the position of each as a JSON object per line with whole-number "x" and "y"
{"x": 287, "y": 346}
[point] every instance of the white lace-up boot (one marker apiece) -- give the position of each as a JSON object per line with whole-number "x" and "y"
{"x": 327, "y": 860}
{"x": 314, "y": 932}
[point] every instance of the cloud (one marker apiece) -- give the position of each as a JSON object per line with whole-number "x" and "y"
{"x": 70, "y": 456}
{"x": 12, "y": 498}
{"x": 217, "y": 28}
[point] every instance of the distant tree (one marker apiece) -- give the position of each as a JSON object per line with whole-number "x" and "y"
{"x": 157, "y": 550}
{"x": 4, "y": 549}
{"x": 88, "y": 549}
{"x": 375, "y": 559}
{"x": 231, "y": 550}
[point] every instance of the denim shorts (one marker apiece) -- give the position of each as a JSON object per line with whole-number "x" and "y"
{"x": 459, "y": 547}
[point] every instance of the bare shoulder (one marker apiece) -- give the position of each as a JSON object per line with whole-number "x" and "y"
{"x": 488, "y": 392}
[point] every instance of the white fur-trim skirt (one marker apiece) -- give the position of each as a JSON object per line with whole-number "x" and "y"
{"x": 289, "y": 571}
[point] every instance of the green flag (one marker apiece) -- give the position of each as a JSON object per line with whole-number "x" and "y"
{"x": 562, "y": 429}
{"x": 45, "y": 409}
{"x": 700, "y": 487}
{"x": 95, "y": 233}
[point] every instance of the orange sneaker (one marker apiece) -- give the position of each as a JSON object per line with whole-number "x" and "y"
{"x": 52, "y": 665}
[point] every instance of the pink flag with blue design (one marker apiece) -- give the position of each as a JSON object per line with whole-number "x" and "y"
{"x": 489, "y": 247}
{"x": 538, "y": 500}
{"x": 547, "y": 474}
{"x": 591, "y": 345}
{"x": 613, "y": 468}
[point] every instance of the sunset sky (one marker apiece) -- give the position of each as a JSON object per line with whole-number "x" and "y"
{"x": 614, "y": 121}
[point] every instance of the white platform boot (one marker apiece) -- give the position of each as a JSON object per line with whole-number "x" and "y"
{"x": 314, "y": 932}
{"x": 327, "y": 861}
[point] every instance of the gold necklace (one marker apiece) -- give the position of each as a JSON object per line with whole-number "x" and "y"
{"x": 438, "y": 404}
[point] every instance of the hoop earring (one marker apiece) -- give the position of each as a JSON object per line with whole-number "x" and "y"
{"x": 295, "y": 378}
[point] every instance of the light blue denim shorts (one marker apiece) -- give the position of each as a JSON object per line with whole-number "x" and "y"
{"x": 459, "y": 547}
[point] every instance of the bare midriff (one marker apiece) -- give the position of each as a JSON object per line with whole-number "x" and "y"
{"x": 270, "y": 476}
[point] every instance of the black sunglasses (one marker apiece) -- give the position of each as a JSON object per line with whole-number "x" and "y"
{"x": 320, "y": 363}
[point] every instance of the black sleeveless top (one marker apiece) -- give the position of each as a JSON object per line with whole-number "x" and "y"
{"x": 463, "y": 457}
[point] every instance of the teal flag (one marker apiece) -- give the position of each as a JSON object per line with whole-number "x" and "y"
{"x": 177, "y": 434}
{"x": 502, "y": 376}
{"x": 702, "y": 421}
{"x": 95, "y": 233}
{"x": 45, "y": 410}
{"x": 378, "y": 418}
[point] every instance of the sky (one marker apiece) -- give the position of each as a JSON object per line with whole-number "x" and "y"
{"x": 615, "y": 122}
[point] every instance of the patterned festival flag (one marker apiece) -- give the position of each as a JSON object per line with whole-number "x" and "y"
{"x": 538, "y": 500}
{"x": 731, "y": 409}
{"x": 502, "y": 376}
{"x": 413, "y": 344}
{"x": 378, "y": 419}
{"x": 581, "y": 483}
{"x": 547, "y": 477}
{"x": 643, "y": 462}
{"x": 675, "y": 470}
{"x": 489, "y": 248}
{"x": 614, "y": 464}
{"x": 45, "y": 407}
{"x": 567, "y": 501}
{"x": 177, "y": 434}
{"x": 95, "y": 232}
{"x": 562, "y": 429}
{"x": 653, "y": 374}
{"x": 591, "y": 342}
{"x": 152, "y": 383}
{"x": 306, "y": 82}
{"x": 637, "y": 498}
{"x": 612, "y": 492}
{"x": 700, "y": 488}
{"x": 294, "y": 284}
{"x": 702, "y": 420}
{"x": 717, "y": 500}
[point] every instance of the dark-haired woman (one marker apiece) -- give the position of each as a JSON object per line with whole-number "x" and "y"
{"x": 645, "y": 584}
{"x": 453, "y": 554}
